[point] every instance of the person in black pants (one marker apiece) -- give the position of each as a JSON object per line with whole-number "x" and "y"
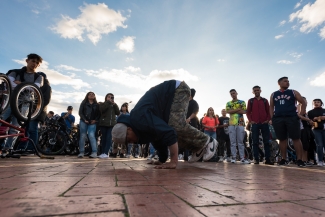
{"x": 223, "y": 136}
{"x": 285, "y": 120}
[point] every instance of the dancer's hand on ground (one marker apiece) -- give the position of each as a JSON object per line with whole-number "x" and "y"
{"x": 154, "y": 162}
{"x": 169, "y": 165}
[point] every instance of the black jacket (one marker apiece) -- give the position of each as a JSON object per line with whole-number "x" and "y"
{"x": 316, "y": 112}
{"x": 47, "y": 93}
{"x": 88, "y": 112}
{"x": 108, "y": 114}
{"x": 149, "y": 118}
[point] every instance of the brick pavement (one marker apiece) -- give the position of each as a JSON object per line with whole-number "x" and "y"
{"x": 68, "y": 186}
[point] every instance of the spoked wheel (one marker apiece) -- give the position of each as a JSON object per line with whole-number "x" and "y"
{"x": 5, "y": 92}
{"x": 24, "y": 96}
{"x": 51, "y": 142}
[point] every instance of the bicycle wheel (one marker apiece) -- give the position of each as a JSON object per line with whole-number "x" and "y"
{"x": 51, "y": 142}
{"x": 22, "y": 96}
{"x": 5, "y": 92}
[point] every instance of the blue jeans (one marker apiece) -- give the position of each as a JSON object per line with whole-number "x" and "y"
{"x": 213, "y": 134}
{"x": 106, "y": 139}
{"x": 152, "y": 150}
{"x": 320, "y": 142}
{"x": 90, "y": 129}
{"x": 6, "y": 114}
{"x": 266, "y": 138}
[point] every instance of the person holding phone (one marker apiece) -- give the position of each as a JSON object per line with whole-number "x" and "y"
{"x": 108, "y": 112}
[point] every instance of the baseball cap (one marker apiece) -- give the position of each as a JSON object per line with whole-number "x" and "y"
{"x": 69, "y": 107}
{"x": 119, "y": 133}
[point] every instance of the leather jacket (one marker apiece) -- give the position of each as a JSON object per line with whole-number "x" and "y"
{"x": 88, "y": 112}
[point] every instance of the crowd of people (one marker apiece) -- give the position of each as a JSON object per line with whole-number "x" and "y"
{"x": 166, "y": 118}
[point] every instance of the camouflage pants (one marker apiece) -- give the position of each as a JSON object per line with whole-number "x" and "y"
{"x": 188, "y": 137}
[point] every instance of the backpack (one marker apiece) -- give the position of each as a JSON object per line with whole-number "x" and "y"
{"x": 251, "y": 100}
{"x": 21, "y": 72}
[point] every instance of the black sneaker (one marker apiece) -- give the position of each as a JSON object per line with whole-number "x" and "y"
{"x": 300, "y": 163}
{"x": 269, "y": 162}
{"x": 283, "y": 162}
{"x": 256, "y": 162}
{"x": 113, "y": 155}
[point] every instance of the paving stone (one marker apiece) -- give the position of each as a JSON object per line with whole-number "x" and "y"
{"x": 115, "y": 190}
{"x": 62, "y": 205}
{"x": 261, "y": 210}
{"x": 158, "y": 205}
{"x": 197, "y": 196}
{"x": 94, "y": 187}
{"x": 316, "y": 204}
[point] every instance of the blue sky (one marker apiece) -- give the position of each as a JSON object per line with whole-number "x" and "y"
{"x": 125, "y": 47}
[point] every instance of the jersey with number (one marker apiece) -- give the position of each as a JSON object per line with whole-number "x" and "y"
{"x": 285, "y": 104}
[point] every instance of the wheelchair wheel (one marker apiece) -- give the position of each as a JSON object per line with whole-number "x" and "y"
{"x": 22, "y": 96}
{"x": 5, "y": 92}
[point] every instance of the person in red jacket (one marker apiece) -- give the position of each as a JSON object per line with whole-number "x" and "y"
{"x": 258, "y": 114}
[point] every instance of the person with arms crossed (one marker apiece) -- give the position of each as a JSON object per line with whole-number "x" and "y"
{"x": 237, "y": 108}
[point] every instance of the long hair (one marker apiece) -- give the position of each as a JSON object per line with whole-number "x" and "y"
{"x": 125, "y": 105}
{"x": 107, "y": 95}
{"x": 213, "y": 115}
{"x": 86, "y": 97}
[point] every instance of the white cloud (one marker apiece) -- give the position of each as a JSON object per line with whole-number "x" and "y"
{"x": 297, "y": 5}
{"x": 57, "y": 78}
{"x": 68, "y": 68}
{"x": 94, "y": 20}
{"x": 131, "y": 77}
{"x": 322, "y": 32}
{"x": 319, "y": 81}
{"x": 35, "y": 11}
{"x": 221, "y": 60}
{"x": 278, "y": 36}
{"x": 296, "y": 55}
{"x": 128, "y": 59}
{"x": 310, "y": 17}
{"x": 284, "y": 62}
{"x": 282, "y": 23}
{"x": 126, "y": 44}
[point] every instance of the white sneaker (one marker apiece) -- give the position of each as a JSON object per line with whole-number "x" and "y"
{"x": 150, "y": 157}
{"x": 128, "y": 156}
{"x": 244, "y": 161}
{"x": 196, "y": 156}
{"x": 100, "y": 156}
{"x": 233, "y": 161}
{"x": 320, "y": 163}
{"x": 180, "y": 157}
{"x": 210, "y": 150}
{"x": 136, "y": 156}
{"x": 228, "y": 159}
{"x": 220, "y": 159}
{"x": 103, "y": 156}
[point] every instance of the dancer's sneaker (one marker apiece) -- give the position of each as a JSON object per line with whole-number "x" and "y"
{"x": 196, "y": 155}
{"x": 210, "y": 150}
